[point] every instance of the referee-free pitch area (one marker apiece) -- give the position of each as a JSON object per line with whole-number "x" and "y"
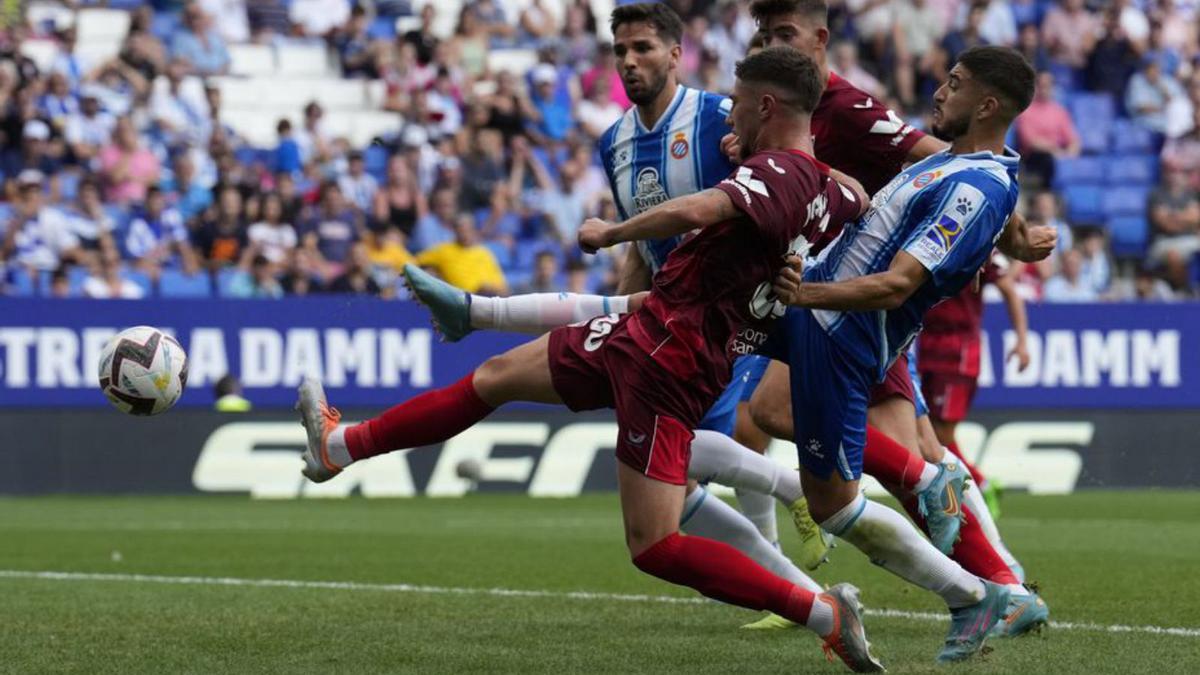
{"x": 505, "y": 583}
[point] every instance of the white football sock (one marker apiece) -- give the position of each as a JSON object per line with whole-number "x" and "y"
{"x": 720, "y": 459}
{"x": 820, "y": 617}
{"x": 974, "y": 502}
{"x": 335, "y": 446}
{"x": 540, "y": 312}
{"x": 707, "y": 516}
{"x": 892, "y": 542}
{"x": 927, "y": 475}
{"x": 759, "y": 509}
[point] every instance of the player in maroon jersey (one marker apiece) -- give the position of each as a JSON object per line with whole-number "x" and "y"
{"x": 948, "y": 353}
{"x": 662, "y": 366}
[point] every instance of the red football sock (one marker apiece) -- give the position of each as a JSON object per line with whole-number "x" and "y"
{"x": 976, "y": 474}
{"x": 890, "y": 462}
{"x": 722, "y": 572}
{"x": 973, "y": 551}
{"x": 432, "y": 417}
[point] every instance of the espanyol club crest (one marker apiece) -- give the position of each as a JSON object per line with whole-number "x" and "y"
{"x": 926, "y": 178}
{"x": 679, "y": 146}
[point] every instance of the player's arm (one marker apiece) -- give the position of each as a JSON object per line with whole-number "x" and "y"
{"x": 884, "y": 290}
{"x": 1015, "y": 305}
{"x": 671, "y": 218}
{"x": 862, "y": 199}
{"x": 928, "y": 145}
{"x": 1025, "y": 242}
{"x": 635, "y": 273}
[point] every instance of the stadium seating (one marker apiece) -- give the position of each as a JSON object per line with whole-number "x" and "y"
{"x": 20, "y": 283}
{"x": 1129, "y": 138}
{"x": 1131, "y": 170}
{"x": 1129, "y": 235}
{"x": 175, "y": 284}
{"x": 1079, "y": 170}
{"x": 1083, "y": 204}
{"x": 225, "y": 279}
{"x": 1124, "y": 201}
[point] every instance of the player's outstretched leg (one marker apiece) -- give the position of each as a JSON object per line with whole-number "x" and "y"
{"x": 652, "y": 509}
{"x": 456, "y": 313}
{"x": 521, "y": 374}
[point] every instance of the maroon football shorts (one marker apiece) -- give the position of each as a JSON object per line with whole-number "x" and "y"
{"x": 598, "y": 365}
{"x": 896, "y": 382}
{"x": 948, "y": 395}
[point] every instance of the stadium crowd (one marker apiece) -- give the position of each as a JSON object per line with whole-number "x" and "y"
{"x": 126, "y": 176}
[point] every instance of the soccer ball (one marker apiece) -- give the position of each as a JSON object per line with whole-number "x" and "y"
{"x": 143, "y": 371}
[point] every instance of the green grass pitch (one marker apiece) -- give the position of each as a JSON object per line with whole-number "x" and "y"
{"x": 1103, "y": 559}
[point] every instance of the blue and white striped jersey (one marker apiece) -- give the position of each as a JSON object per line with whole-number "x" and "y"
{"x": 947, "y": 211}
{"x": 681, "y": 155}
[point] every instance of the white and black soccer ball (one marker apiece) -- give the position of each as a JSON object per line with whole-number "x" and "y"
{"x": 143, "y": 371}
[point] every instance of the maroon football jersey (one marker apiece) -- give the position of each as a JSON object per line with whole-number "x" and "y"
{"x": 859, "y": 136}
{"x": 712, "y": 300}
{"x": 950, "y": 338}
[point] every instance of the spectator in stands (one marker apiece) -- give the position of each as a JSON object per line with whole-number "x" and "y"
{"x": 1175, "y": 223}
{"x": 577, "y": 44}
{"x": 495, "y": 22}
{"x": 355, "y": 49}
{"x": 256, "y": 282}
{"x": 962, "y": 39}
{"x": 605, "y": 66}
{"x": 313, "y": 137}
{"x": 916, "y": 32}
{"x": 597, "y": 112}
{"x": 58, "y": 104}
{"x": 60, "y": 283}
{"x": 537, "y": 23}
{"x": 508, "y": 108}
{"x": 358, "y": 185}
{"x": 470, "y": 43}
{"x": 89, "y": 129}
{"x": 577, "y": 276}
{"x": 232, "y": 22}
{"x": 37, "y": 237}
{"x": 221, "y": 237}
{"x": 199, "y": 44}
{"x": 180, "y": 115}
{"x": 286, "y": 157}
{"x": 126, "y": 167}
{"x": 333, "y": 233}
{"x": 1030, "y": 45}
{"x": 565, "y": 206}
{"x": 184, "y": 189}
{"x": 1183, "y": 153}
{"x": 437, "y": 226}
{"x": 1069, "y": 285}
{"x": 228, "y": 394}
{"x": 999, "y": 26}
{"x": 400, "y": 203}
{"x": 92, "y": 225}
{"x": 464, "y": 262}
{"x": 1147, "y": 287}
{"x": 356, "y": 278}
{"x": 444, "y": 103}
{"x": 546, "y": 277}
{"x": 1045, "y": 132}
{"x": 105, "y": 281}
{"x": 69, "y": 62}
{"x": 1069, "y": 33}
{"x": 1096, "y": 269}
{"x": 1134, "y": 22}
{"x": 272, "y": 237}
{"x": 318, "y": 18}
{"x": 1046, "y": 210}
{"x": 33, "y": 153}
{"x": 846, "y": 65}
{"x": 553, "y": 119}
{"x": 142, "y": 50}
{"x": 156, "y": 238}
{"x": 386, "y": 250}
{"x": 1169, "y": 58}
{"x": 423, "y": 39}
{"x": 1156, "y": 101}
{"x": 500, "y": 223}
{"x": 483, "y": 168}
{"x": 1113, "y": 60}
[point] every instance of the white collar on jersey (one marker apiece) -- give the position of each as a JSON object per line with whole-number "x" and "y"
{"x": 680, "y": 91}
{"x": 1009, "y": 157}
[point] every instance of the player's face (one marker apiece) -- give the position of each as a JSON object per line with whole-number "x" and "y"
{"x": 744, "y": 118}
{"x": 795, "y": 31}
{"x": 955, "y": 103}
{"x": 644, "y": 61}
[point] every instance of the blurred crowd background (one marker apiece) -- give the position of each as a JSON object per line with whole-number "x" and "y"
{"x": 267, "y": 148}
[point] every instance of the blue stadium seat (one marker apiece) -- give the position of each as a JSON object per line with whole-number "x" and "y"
{"x": 141, "y": 279}
{"x": 1093, "y": 140}
{"x": 1078, "y": 170}
{"x": 503, "y": 254}
{"x": 526, "y": 253}
{"x": 1129, "y": 138}
{"x": 225, "y": 281}
{"x": 375, "y": 160}
{"x": 1124, "y": 201}
{"x": 75, "y": 277}
{"x": 1129, "y": 235}
{"x": 176, "y": 284}
{"x": 20, "y": 283}
{"x": 1093, "y": 115}
{"x": 1134, "y": 170}
{"x": 382, "y": 28}
{"x": 1083, "y": 204}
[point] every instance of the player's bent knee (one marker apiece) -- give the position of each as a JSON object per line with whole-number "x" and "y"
{"x": 772, "y": 418}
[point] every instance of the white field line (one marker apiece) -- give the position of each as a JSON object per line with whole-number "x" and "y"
{"x": 518, "y": 593}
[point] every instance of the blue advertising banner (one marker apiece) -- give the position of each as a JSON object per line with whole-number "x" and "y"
{"x": 368, "y": 352}
{"x": 374, "y": 353}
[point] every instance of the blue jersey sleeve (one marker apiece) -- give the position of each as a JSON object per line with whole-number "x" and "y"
{"x": 712, "y": 165}
{"x": 959, "y": 227}
{"x": 604, "y": 146}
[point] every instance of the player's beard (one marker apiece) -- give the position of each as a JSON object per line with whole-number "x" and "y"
{"x": 950, "y": 129}
{"x": 652, "y": 86}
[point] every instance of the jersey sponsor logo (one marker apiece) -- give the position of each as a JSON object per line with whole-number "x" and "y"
{"x": 650, "y": 192}
{"x": 746, "y": 183}
{"x": 600, "y": 328}
{"x": 945, "y": 232}
{"x": 635, "y": 438}
{"x": 778, "y": 169}
{"x": 679, "y": 146}
{"x": 892, "y": 125}
{"x": 926, "y": 178}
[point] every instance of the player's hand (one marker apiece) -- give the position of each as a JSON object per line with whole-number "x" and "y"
{"x": 731, "y": 147}
{"x": 595, "y": 234}
{"x": 789, "y": 284}
{"x": 1021, "y": 353}
{"x": 1040, "y": 241}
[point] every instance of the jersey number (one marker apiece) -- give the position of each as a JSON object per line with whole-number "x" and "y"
{"x": 600, "y": 328}
{"x": 764, "y": 304}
